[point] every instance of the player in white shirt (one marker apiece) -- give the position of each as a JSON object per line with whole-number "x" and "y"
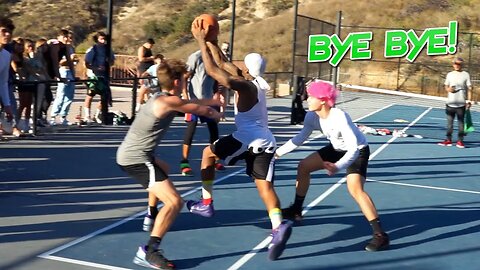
{"x": 252, "y": 141}
{"x": 348, "y": 149}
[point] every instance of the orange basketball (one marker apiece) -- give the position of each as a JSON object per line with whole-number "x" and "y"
{"x": 212, "y": 22}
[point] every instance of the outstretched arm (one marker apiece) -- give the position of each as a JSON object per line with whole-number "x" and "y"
{"x": 309, "y": 125}
{"x": 164, "y": 105}
{"x": 222, "y": 61}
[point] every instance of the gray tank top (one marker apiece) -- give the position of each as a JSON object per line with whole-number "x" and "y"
{"x": 144, "y": 135}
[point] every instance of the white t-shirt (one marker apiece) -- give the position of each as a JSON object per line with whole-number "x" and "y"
{"x": 339, "y": 129}
{"x": 460, "y": 81}
{"x": 201, "y": 84}
{"x": 152, "y": 71}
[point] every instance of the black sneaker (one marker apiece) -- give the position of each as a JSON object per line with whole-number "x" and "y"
{"x": 157, "y": 261}
{"x": 380, "y": 241}
{"x": 292, "y": 213}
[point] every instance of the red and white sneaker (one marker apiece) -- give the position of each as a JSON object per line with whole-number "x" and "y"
{"x": 460, "y": 144}
{"x": 445, "y": 143}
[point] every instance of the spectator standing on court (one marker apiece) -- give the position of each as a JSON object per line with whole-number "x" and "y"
{"x": 136, "y": 155}
{"x": 62, "y": 69}
{"x": 96, "y": 63}
{"x": 347, "y": 149}
{"x": 459, "y": 89}
{"x": 200, "y": 86}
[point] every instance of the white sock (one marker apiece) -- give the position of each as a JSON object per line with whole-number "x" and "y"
{"x": 86, "y": 111}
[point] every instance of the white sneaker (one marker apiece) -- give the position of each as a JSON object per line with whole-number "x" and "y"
{"x": 53, "y": 121}
{"x": 140, "y": 257}
{"x": 65, "y": 122}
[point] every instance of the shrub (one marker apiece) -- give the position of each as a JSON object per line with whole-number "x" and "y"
{"x": 276, "y": 6}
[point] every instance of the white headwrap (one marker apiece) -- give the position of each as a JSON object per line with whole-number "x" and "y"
{"x": 255, "y": 64}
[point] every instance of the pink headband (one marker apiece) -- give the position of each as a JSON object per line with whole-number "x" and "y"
{"x": 323, "y": 90}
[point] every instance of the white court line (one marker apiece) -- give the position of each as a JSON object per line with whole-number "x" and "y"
{"x": 267, "y": 240}
{"x": 422, "y": 186}
{"x": 48, "y": 254}
{"x": 84, "y": 263}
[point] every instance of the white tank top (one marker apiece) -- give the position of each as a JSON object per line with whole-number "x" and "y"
{"x": 252, "y": 125}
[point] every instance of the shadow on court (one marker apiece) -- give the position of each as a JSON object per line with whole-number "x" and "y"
{"x": 403, "y": 223}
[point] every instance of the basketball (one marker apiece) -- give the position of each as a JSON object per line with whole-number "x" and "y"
{"x": 211, "y": 22}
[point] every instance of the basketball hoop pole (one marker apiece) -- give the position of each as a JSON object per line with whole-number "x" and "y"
{"x": 232, "y": 30}
{"x": 104, "y": 97}
{"x": 294, "y": 43}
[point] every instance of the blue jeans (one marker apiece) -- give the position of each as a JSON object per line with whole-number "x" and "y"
{"x": 64, "y": 95}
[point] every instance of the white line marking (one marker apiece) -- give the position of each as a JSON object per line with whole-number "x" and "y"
{"x": 266, "y": 241}
{"x": 47, "y": 255}
{"x": 392, "y": 92}
{"x": 422, "y": 186}
{"x": 97, "y": 265}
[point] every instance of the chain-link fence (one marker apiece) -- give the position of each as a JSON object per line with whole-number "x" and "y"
{"x": 307, "y": 26}
{"x": 426, "y": 75}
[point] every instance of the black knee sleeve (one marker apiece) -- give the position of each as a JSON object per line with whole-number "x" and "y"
{"x": 191, "y": 127}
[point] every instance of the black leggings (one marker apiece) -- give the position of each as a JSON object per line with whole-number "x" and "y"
{"x": 451, "y": 112}
{"x": 192, "y": 126}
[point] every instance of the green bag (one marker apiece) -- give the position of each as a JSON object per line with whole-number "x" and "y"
{"x": 468, "y": 122}
{"x": 97, "y": 85}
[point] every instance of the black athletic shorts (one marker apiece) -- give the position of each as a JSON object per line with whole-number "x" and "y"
{"x": 328, "y": 153}
{"x": 259, "y": 165}
{"x": 145, "y": 173}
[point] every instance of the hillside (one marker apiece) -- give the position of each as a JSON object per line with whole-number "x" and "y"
{"x": 135, "y": 20}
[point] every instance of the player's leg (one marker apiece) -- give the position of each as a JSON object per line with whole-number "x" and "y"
{"x": 226, "y": 148}
{"x": 156, "y": 182}
{"x": 261, "y": 167}
{"x": 152, "y": 210}
{"x": 311, "y": 163}
{"x": 356, "y": 176}
{"x": 187, "y": 143}
{"x": 204, "y": 207}
{"x": 151, "y": 255}
{"x": 213, "y": 130}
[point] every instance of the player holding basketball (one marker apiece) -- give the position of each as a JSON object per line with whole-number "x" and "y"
{"x": 252, "y": 141}
{"x": 200, "y": 86}
{"x": 348, "y": 149}
{"x": 136, "y": 154}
